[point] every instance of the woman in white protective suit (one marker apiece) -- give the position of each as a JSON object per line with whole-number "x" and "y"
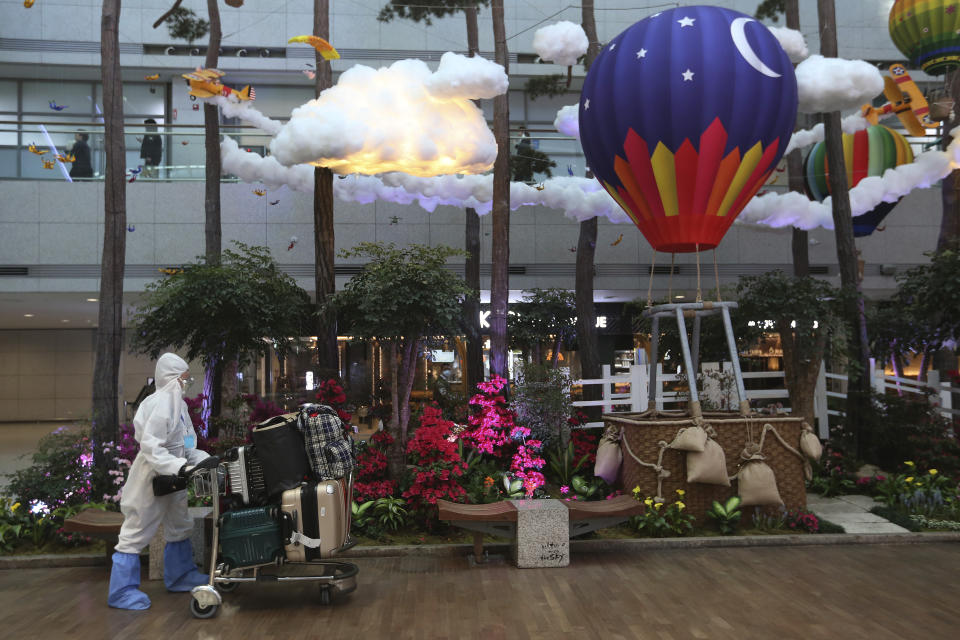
{"x": 167, "y": 448}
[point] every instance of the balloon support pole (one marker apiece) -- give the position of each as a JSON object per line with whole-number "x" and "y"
{"x": 696, "y": 310}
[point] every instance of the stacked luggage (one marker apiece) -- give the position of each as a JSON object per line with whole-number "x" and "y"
{"x": 294, "y": 487}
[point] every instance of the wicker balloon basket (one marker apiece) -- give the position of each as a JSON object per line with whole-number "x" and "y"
{"x": 646, "y": 434}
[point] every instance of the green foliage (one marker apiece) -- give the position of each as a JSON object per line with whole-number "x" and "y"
{"x": 831, "y": 480}
{"x": 361, "y": 514}
{"x": 542, "y": 315}
{"x": 726, "y": 515}
{"x": 928, "y": 298}
{"x": 425, "y": 10}
{"x": 892, "y": 515}
{"x": 541, "y": 403}
{"x": 590, "y": 487}
{"x": 563, "y": 464}
{"x": 528, "y": 162}
{"x": 829, "y": 527}
{"x": 390, "y": 512}
{"x": 60, "y": 474}
{"x": 929, "y": 523}
{"x": 401, "y": 293}
{"x": 770, "y": 9}
{"x": 713, "y": 339}
{"x": 917, "y": 492}
{"x": 512, "y": 488}
{"x": 223, "y": 311}
{"x": 551, "y": 86}
{"x": 478, "y": 481}
{"x": 661, "y": 520}
{"x": 183, "y": 24}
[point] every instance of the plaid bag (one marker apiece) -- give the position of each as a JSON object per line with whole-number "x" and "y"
{"x": 329, "y": 447}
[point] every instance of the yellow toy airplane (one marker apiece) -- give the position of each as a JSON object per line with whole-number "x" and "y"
{"x": 155, "y": 76}
{"x": 907, "y": 102}
{"x": 259, "y": 192}
{"x": 205, "y": 83}
{"x": 324, "y": 48}
{"x": 66, "y": 157}
{"x": 33, "y": 149}
{"x": 48, "y": 164}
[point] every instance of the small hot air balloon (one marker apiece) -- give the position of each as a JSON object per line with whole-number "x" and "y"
{"x": 866, "y": 153}
{"x": 683, "y": 117}
{"x": 927, "y": 32}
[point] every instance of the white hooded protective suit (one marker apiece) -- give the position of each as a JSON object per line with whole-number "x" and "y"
{"x": 167, "y": 442}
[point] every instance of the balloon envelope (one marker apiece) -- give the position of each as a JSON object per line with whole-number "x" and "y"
{"x": 683, "y": 117}
{"x": 927, "y": 32}
{"x": 866, "y": 153}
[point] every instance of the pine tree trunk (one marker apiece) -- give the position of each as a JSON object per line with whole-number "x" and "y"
{"x": 588, "y": 347}
{"x": 109, "y": 335}
{"x": 858, "y": 393}
{"x": 950, "y": 189}
{"x": 395, "y": 452}
{"x": 323, "y": 233}
{"x": 499, "y": 278}
{"x": 211, "y": 141}
{"x": 473, "y": 367}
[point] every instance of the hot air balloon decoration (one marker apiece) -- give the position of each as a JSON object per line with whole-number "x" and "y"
{"x": 869, "y": 152}
{"x": 683, "y": 117}
{"x": 927, "y": 32}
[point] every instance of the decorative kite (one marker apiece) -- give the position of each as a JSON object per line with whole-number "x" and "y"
{"x": 869, "y": 152}
{"x": 57, "y": 107}
{"x": 927, "y": 32}
{"x": 683, "y": 118}
{"x": 325, "y": 49}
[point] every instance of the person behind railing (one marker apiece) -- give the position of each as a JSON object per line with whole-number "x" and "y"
{"x": 81, "y": 166}
{"x": 151, "y": 150}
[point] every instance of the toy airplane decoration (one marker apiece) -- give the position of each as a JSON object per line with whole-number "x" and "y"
{"x": 155, "y": 76}
{"x": 66, "y": 157}
{"x": 907, "y": 102}
{"x": 259, "y": 192}
{"x": 33, "y": 149}
{"x": 205, "y": 83}
{"x": 325, "y": 49}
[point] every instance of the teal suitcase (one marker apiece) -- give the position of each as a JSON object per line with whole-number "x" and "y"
{"x": 250, "y": 537}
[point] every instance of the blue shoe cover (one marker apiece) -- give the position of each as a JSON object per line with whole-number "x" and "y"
{"x": 179, "y": 571}
{"x": 124, "y": 580}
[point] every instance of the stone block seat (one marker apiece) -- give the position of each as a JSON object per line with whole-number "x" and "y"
{"x": 96, "y": 523}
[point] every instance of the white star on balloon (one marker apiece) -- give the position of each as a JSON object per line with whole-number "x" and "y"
{"x": 686, "y": 21}
{"x": 642, "y": 53}
{"x": 586, "y": 104}
{"x": 613, "y": 46}
{"x": 687, "y": 76}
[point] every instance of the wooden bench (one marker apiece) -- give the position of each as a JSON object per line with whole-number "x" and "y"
{"x": 599, "y": 514}
{"x": 97, "y": 524}
{"x": 496, "y": 518}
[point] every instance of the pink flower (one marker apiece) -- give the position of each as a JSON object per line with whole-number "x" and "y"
{"x": 564, "y": 489}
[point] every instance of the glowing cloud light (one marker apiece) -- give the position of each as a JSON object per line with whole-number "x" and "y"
{"x": 398, "y": 118}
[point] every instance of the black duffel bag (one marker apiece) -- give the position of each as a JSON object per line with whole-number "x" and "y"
{"x": 279, "y": 447}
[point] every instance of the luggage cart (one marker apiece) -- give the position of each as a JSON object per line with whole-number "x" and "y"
{"x": 333, "y": 578}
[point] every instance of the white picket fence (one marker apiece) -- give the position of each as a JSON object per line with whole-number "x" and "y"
{"x": 829, "y": 385}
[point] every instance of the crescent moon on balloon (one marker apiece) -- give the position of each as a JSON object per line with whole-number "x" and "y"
{"x": 738, "y": 33}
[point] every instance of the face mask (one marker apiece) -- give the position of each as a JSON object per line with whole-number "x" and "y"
{"x": 185, "y": 384}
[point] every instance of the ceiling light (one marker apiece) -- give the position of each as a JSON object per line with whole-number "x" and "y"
{"x": 92, "y": 300}
{"x": 28, "y": 315}
{"x": 64, "y": 320}
{"x": 679, "y": 297}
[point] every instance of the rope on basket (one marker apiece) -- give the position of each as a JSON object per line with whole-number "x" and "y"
{"x": 807, "y": 469}
{"x": 658, "y": 467}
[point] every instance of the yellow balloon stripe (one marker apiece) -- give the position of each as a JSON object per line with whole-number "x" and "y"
{"x": 747, "y": 165}
{"x": 620, "y": 201}
{"x": 848, "y": 162}
{"x": 663, "y": 169}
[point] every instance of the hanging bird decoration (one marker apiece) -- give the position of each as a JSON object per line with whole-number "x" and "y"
{"x": 135, "y": 173}
{"x": 57, "y": 107}
{"x": 33, "y": 149}
{"x": 617, "y": 241}
{"x": 683, "y": 117}
{"x": 540, "y": 187}
{"x": 275, "y": 202}
{"x": 260, "y": 192}
{"x": 48, "y": 164}
{"x": 66, "y": 157}
{"x": 184, "y": 142}
{"x": 155, "y": 76}
{"x": 293, "y": 243}
{"x": 131, "y": 228}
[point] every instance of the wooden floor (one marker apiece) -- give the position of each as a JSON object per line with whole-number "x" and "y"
{"x": 842, "y": 592}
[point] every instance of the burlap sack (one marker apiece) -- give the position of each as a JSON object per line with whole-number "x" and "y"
{"x": 757, "y": 484}
{"x": 609, "y": 456}
{"x": 810, "y": 445}
{"x": 690, "y": 439}
{"x": 708, "y": 466}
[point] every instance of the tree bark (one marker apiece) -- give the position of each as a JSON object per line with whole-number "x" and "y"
{"x": 323, "y": 234}
{"x": 588, "y": 348}
{"x": 858, "y": 394}
{"x": 949, "y": 237}
{"x": 800, "y": 371}
{"x": 800, "y": 242}
{"x": 395, "y": 451}
{"x": 109, "y": 336}
{"x": 473, "y": 367}
{"x": 500, "y": 279}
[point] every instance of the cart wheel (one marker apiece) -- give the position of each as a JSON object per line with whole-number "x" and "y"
{"x": 227, "y": 587}
{"x": 202, "y": 612}
{"x": 324, "y": 595}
